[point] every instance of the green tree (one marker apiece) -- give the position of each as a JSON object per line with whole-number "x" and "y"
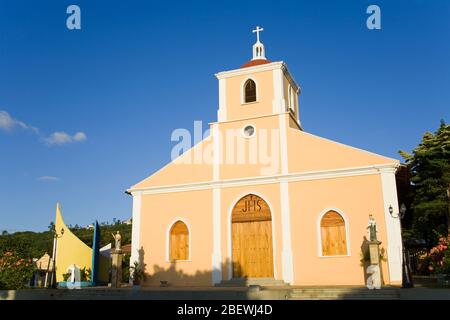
{"x": 429, "y": 164}
{"x": 15, "y": 270}
{"x": 29, "y": 244}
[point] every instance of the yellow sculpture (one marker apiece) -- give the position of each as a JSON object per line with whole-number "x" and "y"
{"x": 70, "y": 250}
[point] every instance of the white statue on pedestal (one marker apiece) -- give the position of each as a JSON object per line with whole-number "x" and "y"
{"x": 372, "y": 228}
{"x": 117, "y": 237}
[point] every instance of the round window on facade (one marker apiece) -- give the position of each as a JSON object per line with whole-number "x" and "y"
{"x": 249, "y": 131}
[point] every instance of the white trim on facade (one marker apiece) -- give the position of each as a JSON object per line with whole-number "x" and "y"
{"x": 217, "y": 252}
{"x": 230, "y": 235}
{"x": 169, "y": 227}
{"x": 222, "y": 112}
{"x": 393, "y": 230}
{"x": 290, "y": 177}
{"x": 216, "y": 151}
{"x": 248, "y": 70}
{"x": 246, "y": 118}
{"x": 319, "y": 233}
{"x": 216, "y": 211}
{"x": 279, "y": 102}
{"x": 290, "y": 78}
{"x": 136, "y": 227}
{"x": 286, "y": 254}
{"x": 283, "y": 144}
{"x": 293, "y": 102}
{"x": 260, "y": 68}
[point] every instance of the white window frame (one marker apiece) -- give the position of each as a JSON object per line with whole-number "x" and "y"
{"x": 291, "y": 98}
{"x": 243, "y": 130}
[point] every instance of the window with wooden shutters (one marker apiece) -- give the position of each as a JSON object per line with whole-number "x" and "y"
{"x": 250, "y": 91}
{"x": 179, "y": 241}
{"x": 333, "y": 234}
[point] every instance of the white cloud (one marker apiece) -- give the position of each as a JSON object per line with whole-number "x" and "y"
{"x": 48, "y": 178}
{"x": 60, "y": 138}
{"x": 8, "y": 123}
{"x": 79, "y": 136}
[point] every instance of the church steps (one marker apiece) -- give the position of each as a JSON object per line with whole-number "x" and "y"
{"x": 344, "y": 293}
{"x": 246, "y": 282}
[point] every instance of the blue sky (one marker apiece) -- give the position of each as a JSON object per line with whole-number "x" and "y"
{"x": 137, "y": 70}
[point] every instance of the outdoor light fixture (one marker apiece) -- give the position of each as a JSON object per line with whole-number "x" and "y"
{"x": 401, "y": 214}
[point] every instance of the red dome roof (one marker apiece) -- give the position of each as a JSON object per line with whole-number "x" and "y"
{"x": 256, "y": 62}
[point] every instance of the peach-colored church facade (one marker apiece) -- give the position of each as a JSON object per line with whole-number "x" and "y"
{"x": 260, "y": 197}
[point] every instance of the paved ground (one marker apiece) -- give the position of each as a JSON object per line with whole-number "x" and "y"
{"x": 202, "y": 293}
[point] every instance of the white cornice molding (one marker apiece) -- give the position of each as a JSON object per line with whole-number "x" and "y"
{"x": 135, "y": 192}
{"x": 290, "y": 78}
{"x": 260, "y": 68}
{"x": 392, "y": 169}
{"x": 296, "y": 121}
{"x": 247, "y": 70}
{"x": 245, "y": 119}
{"x": 290, "y": 177}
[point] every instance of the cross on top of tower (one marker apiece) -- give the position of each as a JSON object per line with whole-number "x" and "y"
{"x": 257, "y": 30}
{"x": 258, "y": 47}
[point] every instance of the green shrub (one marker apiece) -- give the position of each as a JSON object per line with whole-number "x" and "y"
{"x": 85, "y": 275}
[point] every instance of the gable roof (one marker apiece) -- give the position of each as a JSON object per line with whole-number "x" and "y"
{"x": 308, "y": 152}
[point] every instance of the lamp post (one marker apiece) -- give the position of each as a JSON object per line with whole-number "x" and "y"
{"x": 55, "y": 242}
{"x": 406, "y": 272}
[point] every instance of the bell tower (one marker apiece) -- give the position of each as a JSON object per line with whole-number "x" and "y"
{"x": 258, "y": 88}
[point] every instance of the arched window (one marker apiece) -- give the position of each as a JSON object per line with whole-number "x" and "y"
{"x": 291, "y": 98}
{"x": 333, "y": 234}
{"x": 250, "y": 91}
{"x": 179, "y": 242}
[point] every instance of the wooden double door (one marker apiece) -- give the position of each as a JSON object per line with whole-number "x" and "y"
{"x": 252, "y": 250}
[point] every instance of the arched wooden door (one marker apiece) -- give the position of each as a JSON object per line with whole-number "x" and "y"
{"x": 252, "y": 252}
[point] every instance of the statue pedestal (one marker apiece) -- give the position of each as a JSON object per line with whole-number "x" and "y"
{"x": 374, "y": 252}
{"x": 374, "y": 279}
{"x": 116, "y": 268}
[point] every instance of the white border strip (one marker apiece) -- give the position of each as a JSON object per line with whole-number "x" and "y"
{"x": 299, "y": 176}
{"x": 393, "y": 230}
{"x": 136, "y": 227}
{"x": 222, "y": 112}
{"x": 260, "y": 68}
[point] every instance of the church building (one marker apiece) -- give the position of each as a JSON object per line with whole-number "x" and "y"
{"x": 260, "y": 198}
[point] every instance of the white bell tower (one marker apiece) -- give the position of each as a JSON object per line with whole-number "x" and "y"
{"x": 258, "y": 47}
